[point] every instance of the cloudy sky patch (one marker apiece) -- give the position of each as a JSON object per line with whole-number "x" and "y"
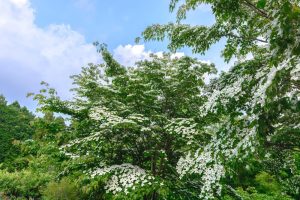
{"x": 39, "y": 42}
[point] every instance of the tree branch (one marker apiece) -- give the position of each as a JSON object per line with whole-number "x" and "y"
{"x": 257, "y": 10}
{"x": 243, "y": 38}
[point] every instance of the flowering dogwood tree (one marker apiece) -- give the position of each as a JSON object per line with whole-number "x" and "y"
{"x": 252, "y": 110}
{"x": 131, "y": 125}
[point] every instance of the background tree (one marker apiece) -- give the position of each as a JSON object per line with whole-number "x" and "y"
{"x": 14, "y": 125}
{"x": 37, "y": 161}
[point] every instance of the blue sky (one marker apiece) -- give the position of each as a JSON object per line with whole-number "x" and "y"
{"x": 113, "y": 22}
{"x": 52, "y": 39}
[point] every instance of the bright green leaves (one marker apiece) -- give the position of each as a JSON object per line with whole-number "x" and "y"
{"x": 249, "y": 27}
{"x": 112, "y": 67}
{"x": 261, "y": 4}
{"x": 14, "y": 126}
{"x": 199, "y": 38}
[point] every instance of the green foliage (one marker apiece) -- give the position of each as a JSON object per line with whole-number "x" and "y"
{"x": 255, "y": 106}
{"x": 63, "y": 190}
{"x": 267, "y": 183}
{"x": 14, "y": 125}
{"x": 48, "y": 127}
{"x": 248, "y": 26}
{"x": 23, "y": 184}
{"x": 37, "y": 162}
{"x": 249, "y": 195}
{"x": 252, "y": 194}
{"x": 265, "y": 187}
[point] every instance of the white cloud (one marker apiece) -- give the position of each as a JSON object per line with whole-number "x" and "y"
{"x": 129, "y": 54}
{"x": 19, "y": 3}
{"x": 30, "y": 54}
{"x": 177, "y": 55}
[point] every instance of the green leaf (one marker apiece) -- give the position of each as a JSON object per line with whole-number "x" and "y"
{"x": 261, "y": 4}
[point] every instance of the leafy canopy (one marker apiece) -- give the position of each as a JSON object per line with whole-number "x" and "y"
{"x": 131, "y": 125}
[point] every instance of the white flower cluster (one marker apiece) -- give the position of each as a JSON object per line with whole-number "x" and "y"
{"x": 265, "y": 78}
{"x": 211, "y": 177}
{"x": 124, "y": 178}
{"x": 186, "y": 128}
{"x": 260, "y": 90}
{"x": 108, "y": 118}
{"x": 209, "y": 162}
{"x": 208, "y": 166}
{"x": 227, "y": 144}
{"x": 295, "y": 72}
{"x": 230, "y": 142}
{"x": 93, "y": 137}
{"x": 277, "y": 26}
{"x": 137, "y": 118}
{"x": 224, "y": 94}
{"x": 71, "y": 155}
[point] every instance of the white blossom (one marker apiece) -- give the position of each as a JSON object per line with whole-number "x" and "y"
{"x": 124, "y": 177}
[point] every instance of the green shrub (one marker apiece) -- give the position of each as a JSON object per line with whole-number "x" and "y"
{"x": 63, "y": 190}
{"x": 254, "y": 195}
{"x": 23, "y": 184}
{"x": 267, "y": 183}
